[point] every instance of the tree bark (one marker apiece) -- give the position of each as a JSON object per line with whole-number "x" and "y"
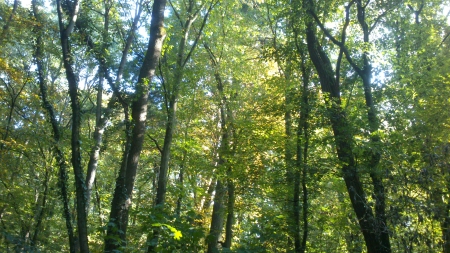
{"x": 72, "y": 80}
{"x": 126, "y": 179}
{"x": 103, "y": 117}
{"x": 172, "y": 97}
{"x": 8, "y": 22}
{"x": 343, "y": 141}
{"x": 217, "y": 218}
{"x": 60, "y": 158}
{"x": 302, "y": 160}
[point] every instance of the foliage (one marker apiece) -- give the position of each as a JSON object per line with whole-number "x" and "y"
{"x": 260, "y": 49}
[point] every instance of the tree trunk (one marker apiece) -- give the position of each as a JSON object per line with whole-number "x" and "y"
{"x": 8, "y": 22}
{"x": 343, "y": 141}
{"x": 100, "y": 123}
{"x": 230, "y": 212}
{"x": 127, "y": 175}
{"x": 300, "y": 187}
{"x": 40, "y": 208}
{"x": 217, "y": 218}
{"x": 172, "y": 96}
{"x": 302, "y": 147}
{"x": 60, "y": 158}
{"x": 374, "y": 161}
{"x": 72, "y": 80}
{"x": 207, "y": 199}
{"x": 95, "y": 151}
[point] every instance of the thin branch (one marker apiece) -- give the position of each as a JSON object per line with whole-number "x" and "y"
{"x": 205, "y": 18}
{"x": 377, "y": 20}
{"x": 163, "y": 84}
{"x": 442, "y": 42}
{"x": 176, "y": 13}
{"x": 338, "y": 43}
{"x": 343, "y": 38}
{"x": 211, "y": 54}
{"x": 156, "y": 143}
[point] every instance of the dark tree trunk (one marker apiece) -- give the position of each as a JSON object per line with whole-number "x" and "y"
{"x": 230, "y": 212}
{"x": 8, "y": 22}
{"x": 172, "y": 97}
{"x": 343, "y": 139}
{"x": 181, "y": 180}
{"x": 104, "y": 73}
{"x": 95, "y": 151}
{"x": 164, "y": 166}
{"x": 72, "y": 80}
{"x": 366, "y": 75}
{"x": 40, "y": 208}
{"x": 302, "y": 160}
{"x": 127, "y": 175}
{"x": 38, "y": 56}
{"x": 217, "y": 218}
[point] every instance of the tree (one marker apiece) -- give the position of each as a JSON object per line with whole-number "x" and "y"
{"x": 127, "y": 174}
{"x": 256, "y": 126}
{"x": 374, "y": 227}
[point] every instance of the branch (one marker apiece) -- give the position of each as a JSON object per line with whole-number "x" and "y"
{"x": 73, "y": 18}
{"x": 442, "y": 42}
{"x": 211, "y": 54}
{"x": 205, "y": 18}
{"x": 163, "y": 84}
{"x": 338, "y": 43}
{"x": 343, "y": 37}
{"x": 176, "y": 13}
{"x": 377, "y": 20}
{"x": 156, "y": 143}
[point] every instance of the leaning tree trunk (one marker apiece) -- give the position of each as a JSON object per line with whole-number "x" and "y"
{"x": 172, "y": 96}
{"x": 217, "y": 218}
{"x": 343, "y": 139}
{"x": 103, "y": 116}
{"x": 60, "y": 158}
{"x": 72, "y": 80}
{"x": 382, "y": 231}
{"x": 126, "y": 179}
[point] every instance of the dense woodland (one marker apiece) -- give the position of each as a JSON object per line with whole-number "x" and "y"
{"x": 225, "y": 126}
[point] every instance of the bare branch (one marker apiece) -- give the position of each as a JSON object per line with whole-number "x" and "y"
{"x": 156, "y": 143}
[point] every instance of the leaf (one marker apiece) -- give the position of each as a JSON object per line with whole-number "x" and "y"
{"x": 176, "y": 233}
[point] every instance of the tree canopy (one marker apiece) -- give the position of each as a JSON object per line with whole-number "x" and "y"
{"x": 225, "y": 126}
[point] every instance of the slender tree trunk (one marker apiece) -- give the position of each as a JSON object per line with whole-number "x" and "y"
{"x": 8, "y": 22}
{"x": 343, "y": 140}
{"x": 207, "y": 200}
{"x": 219, "y": 197}
{"x": 172, "y": 97}
{"x": 181, "y": 181}
{"x": 303, "y": 143}
{"x": 103, "y": 73}
{"x": 372, "y": 115}
{"x": 41, "y": 207}
{"x": 95, "y": 151}
{"x": 127, "y": 175}
{"x": 224, "y": 151}
{"x": 230, "y": 211}
{"x": 60, "y": 158}
{"x": 164, "y": 167}
{"x": 72, "y": 80}
{"x": 217, "y": 218}
{"x": 300, "y": 175}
